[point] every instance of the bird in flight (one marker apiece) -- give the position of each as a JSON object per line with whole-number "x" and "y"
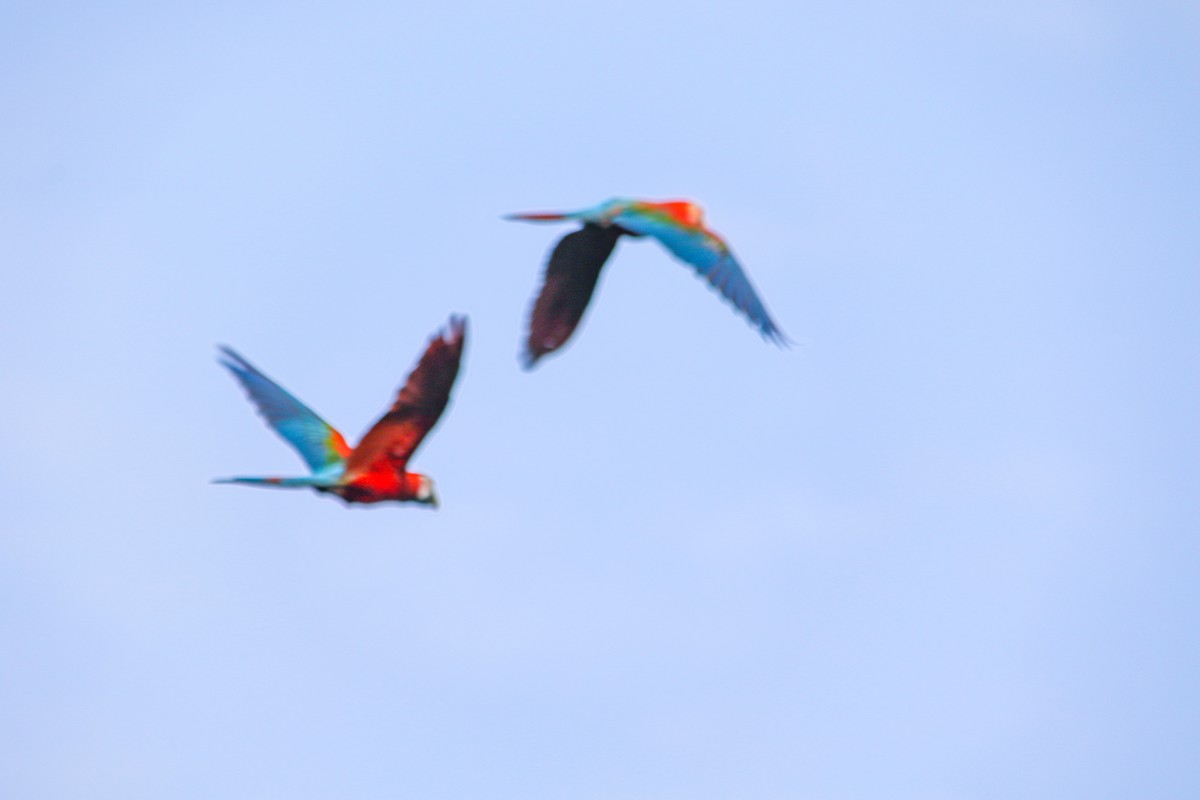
{"x": 577, "y": 259}
{"x": 377, "y": 470}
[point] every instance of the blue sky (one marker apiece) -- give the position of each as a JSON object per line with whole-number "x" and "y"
{"x": 944, "y": 548}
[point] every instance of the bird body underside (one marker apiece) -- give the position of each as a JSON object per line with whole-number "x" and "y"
{"x": 376, "y": 486}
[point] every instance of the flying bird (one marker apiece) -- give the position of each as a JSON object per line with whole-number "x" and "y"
{"x": 376, "y": 470}
{"x": 577, "y": 259}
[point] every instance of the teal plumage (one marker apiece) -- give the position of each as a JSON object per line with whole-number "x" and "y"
{"x": 317, "y": 442}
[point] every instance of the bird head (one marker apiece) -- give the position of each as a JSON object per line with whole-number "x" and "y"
{"x": 426, "y": 493}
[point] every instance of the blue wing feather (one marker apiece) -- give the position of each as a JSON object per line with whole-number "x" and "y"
{"x": 317, "y": 442}
{"x": 712, "y": 259}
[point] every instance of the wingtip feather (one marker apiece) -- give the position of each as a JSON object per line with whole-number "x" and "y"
{"x": 528, "y": 359}
{"x": 778, "y": 338}
{"x": 233, "y": 360}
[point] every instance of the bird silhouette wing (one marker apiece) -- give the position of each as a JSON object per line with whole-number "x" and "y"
{"x": 317, "y": 442}
{"x": 709, "y": 255}
{"x": 570, "y": 280}
{"x": 392, "y": 440}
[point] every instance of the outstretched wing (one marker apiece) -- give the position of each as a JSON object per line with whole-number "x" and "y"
{"x": 317, "y": 442}
{"x": 393, "y": 439}
{"x": 711, "y": 257}
{"x": 567, "y": 287}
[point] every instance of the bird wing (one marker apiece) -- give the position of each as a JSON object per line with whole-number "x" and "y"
{"x": 710, "y": 256}
{"x": 567, "y": 287}
{"x": 392, "y": 440}
{"x": 317, "y": 442}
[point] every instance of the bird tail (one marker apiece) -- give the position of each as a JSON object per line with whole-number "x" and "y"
{"x": 311, "y": 481}
{"x": 539, "y": 216}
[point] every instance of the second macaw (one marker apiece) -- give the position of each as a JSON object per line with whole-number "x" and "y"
{"x": 577, "y": 259}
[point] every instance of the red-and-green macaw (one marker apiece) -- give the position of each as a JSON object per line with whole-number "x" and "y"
{"x": 376, "y": 470}
{"x": 576, "y": 260}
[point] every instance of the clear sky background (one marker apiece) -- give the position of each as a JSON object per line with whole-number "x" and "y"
{"x": 945, "y": 547}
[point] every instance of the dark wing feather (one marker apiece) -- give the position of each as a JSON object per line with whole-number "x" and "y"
{"x": 570, "y": 279}
{"x": 420, "y": 403}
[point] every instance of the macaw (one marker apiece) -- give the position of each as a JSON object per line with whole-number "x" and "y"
{"x": 576, "y": 260}
{"x": 376, "y": 470}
